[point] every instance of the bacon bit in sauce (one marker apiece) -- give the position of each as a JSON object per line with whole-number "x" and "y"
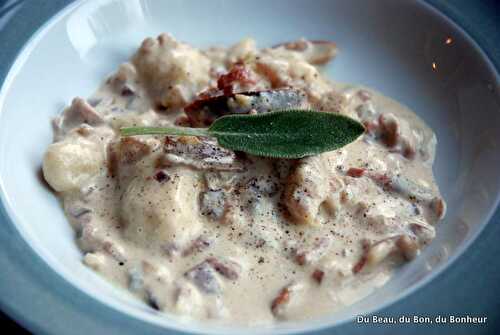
{"x": 202, "y": 276}
{"x": 409, "y": 151}
{"x": 316, "y": 52}
{"x": 198, "y": 245}
{"x": 127, "y": 151}
{"x": 282, "y": 298}
{"x": 199, "y": 153}
{"x": 300, "y": 259}
{"x": 359, "y": 265}
{"x": 355, "y": 172}
{"x": 370, "y": 127}
{"x": 389, "y": 129}
{"x": 238, "y": 74}
{"x": 362, "y": 261}
{"x": 439, "y": 207}
{"x": 344, "y": 196}
{"x": 225, "y": 270}
{"x": 112, "y": 161}
{"x": 318, "y": 275}
{"x": 382, "y": 179}
{"x": 132, "y": 150}
{"x": 209, "y": 93}
{"x": 299, "y": 45}
{"x": 204, "y": 110}
{"x": 408, "y": 247}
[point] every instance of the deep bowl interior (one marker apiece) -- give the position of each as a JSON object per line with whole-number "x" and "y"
{"x": 404, "y": 49}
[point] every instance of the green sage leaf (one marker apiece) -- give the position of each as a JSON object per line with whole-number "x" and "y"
{"x": 287, "y": 134}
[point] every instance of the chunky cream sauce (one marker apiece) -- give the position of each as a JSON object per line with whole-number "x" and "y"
{"x": 202, "y": 232}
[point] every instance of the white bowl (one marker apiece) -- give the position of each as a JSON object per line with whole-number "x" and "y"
{"x": 406, "y": 50}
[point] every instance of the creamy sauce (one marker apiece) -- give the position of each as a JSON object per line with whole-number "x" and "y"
{"x": 199, "y": 231}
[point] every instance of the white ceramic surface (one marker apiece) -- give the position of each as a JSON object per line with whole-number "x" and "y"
{"x": 388, "y": 45}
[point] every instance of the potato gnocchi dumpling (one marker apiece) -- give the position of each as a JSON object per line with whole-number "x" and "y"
{"x": 70, "y": 163}
{"x": 161, "y": 212}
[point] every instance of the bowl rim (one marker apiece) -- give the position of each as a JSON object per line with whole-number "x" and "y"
{"x": 13, "y": 308}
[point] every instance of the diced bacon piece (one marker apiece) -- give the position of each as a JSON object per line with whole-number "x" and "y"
{"x": 282, "y": 298}
{"x": 408, "y": 247}
{"x": 355, "y": 172}
{"x": 132, "y": 150}
{"x": 316, "y": 52}
{"x": 202, "y": 275}
{"x": 198, "y": 245}
{"x": 318, "y": 275}
{"x": 389, "y": 129}
{"x": 359, "y": 265}
{"x": 199, "y": 153}
{"x": 125, "y": 152}
{"x": 209, "y": 106}
{"x": 377, "y": 252}
{"x": 438, "y": 205}
{"x": 227, "y": 269}
{"x": 237, "y": 78}
{"x": 80, "y": 112}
